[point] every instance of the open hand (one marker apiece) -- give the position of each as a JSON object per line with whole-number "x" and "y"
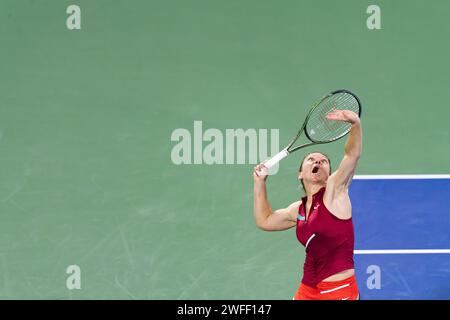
{"x": 343, "y": 115}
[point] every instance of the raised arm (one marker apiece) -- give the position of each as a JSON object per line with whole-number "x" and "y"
{"x": 265, "y": 218}
{"x": 342, "y": 177}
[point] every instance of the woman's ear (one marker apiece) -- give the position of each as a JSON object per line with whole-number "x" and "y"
{"x": 300, "y": 175}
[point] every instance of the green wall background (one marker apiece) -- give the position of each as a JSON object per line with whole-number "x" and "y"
{"x": 86, "y": 117}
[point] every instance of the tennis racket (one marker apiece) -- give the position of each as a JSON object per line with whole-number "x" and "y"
{"x": 317, "y": 128}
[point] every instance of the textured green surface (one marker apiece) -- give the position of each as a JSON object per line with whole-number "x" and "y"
{"x": 86, "y": 117}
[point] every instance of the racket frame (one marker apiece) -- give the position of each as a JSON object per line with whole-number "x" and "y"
{"x": 287, "y": 150}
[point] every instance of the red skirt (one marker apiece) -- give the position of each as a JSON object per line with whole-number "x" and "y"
{"x": 346, "y": 289}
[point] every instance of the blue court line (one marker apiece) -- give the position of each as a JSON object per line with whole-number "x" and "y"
{"x": 402, "y": 251}
{"x": 400, "y": 176}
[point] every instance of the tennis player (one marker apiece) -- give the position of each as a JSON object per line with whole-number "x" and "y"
{"x": 323, "y": 218}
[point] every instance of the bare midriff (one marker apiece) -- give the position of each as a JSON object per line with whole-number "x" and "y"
{"x": 340, "y": 275}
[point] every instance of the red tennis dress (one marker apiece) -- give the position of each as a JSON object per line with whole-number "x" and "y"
{"x": 329, "y": 243}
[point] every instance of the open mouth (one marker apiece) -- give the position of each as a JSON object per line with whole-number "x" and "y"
{"x": 315, "y": 169}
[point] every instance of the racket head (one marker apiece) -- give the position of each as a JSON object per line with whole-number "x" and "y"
{"x": 320, "y": 130}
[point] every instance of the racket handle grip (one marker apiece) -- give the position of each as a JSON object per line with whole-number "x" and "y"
{"x": 276, "y": 158}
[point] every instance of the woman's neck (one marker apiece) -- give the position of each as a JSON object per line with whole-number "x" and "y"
{"x": 313, "y": 189}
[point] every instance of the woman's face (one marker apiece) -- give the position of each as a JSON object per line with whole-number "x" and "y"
{"x": 315, "y": 168}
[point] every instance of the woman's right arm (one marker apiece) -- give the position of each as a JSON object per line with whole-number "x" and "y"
{"x": 265, "y": 218}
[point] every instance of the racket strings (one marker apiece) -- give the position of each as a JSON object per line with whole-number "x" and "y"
{"x": 336, "y": 128}
{"x": 326, "y": 130}
{"x": 319, "y": 128}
